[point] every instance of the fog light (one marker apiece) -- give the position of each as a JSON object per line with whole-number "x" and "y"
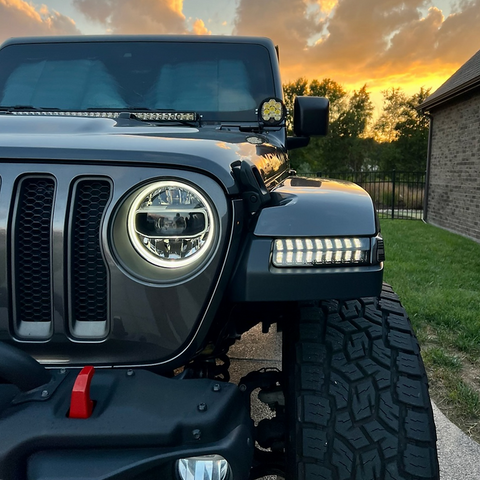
{"x": 205, "y": 467}
{"x": 311, "y": 252}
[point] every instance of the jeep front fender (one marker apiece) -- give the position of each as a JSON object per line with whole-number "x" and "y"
{"x": 310, "y": 208}
{"x": 318, "y": 208}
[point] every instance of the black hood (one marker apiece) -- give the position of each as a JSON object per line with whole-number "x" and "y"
{"x": 210, "y": 149}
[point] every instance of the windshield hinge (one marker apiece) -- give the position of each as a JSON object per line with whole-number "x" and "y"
{"x": 254, "y": 192}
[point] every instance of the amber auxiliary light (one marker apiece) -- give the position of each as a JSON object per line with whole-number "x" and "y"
{"x": 272, "y": 111}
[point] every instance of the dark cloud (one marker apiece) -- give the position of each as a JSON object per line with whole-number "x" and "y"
{"x": 358, "y": 32}
{"x": 18, "y": 17}
{"x": 286, "y": 22}
{"x": 458, "y": 38}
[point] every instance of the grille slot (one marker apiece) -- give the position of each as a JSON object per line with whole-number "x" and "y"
{"x": 89, "y": 280}
{"x": 36, "y": 203}
{"x": 32, "y": 250}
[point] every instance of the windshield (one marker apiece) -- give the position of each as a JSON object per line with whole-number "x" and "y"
{"x": 221, "y": 81}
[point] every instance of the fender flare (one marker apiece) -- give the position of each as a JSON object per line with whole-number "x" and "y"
{"x": 309, "y": 208}
{"x": 318, "y": 208}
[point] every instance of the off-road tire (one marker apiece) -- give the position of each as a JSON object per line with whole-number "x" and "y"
{"x": 357, "y": 403}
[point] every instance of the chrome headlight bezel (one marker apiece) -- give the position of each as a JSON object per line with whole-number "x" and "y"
{"x": 189, "y": 247}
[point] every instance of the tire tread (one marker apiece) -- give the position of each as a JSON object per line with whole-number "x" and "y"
{"x": 361, "y": 394}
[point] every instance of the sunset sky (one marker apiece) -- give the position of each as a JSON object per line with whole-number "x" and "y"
{"x": 382, "y": 43}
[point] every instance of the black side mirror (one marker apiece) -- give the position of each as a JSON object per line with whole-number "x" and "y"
{"x": 310, "y": 116}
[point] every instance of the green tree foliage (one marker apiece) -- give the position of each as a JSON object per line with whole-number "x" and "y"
{"x": 353, "y": 121}
{"x": 328, "y": 88}
{"x": 393, "y": 102}
{"x": 332, "y": 90}
{"x": 346, "y": 147}
{"x": 402, "y": 131}
{"x": 412, "y": 128}
{"x": 298, "y": 88}
{"x": 398, "y": 138}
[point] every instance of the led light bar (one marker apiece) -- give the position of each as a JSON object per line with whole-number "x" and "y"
{"x": 311, "y": 252}
{"x": 55, "y": 113}
{"x": 152, "y": 116}
{"x": 167, "y": 116}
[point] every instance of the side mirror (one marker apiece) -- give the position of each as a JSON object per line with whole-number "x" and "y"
{"x": 310, "y": 116}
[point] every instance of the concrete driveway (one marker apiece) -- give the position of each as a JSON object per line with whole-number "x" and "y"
{"x": 459, "y": 456}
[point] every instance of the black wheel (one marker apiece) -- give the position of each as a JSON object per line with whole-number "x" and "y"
{"x": 357, "y": 403}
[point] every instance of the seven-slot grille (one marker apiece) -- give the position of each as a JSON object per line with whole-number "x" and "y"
{"x": 31, "y": 249}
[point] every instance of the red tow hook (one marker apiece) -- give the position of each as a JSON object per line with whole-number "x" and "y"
{"x": 81, "y": 405}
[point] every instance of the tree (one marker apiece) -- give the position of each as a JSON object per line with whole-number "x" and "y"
{"x": 309, "y": 159}
{"x": 298, "y": 88}
{"x": 412, "y": 128}
{"x": 393, "y": 102}
{"x": 328, "y": 88}
{"x": 397, "y": 140}
{"x": 332, "y": 90}
{"x": 346, "y": 148}
{"x": 404, "y": 129}
{"x": 354, "y": 120}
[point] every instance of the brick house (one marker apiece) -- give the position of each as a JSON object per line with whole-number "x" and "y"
{"x": 452, "y": 196}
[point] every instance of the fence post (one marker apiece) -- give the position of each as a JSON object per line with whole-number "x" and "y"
{"x": 393, "y": 194}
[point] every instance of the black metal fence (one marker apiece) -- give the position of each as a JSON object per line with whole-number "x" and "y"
{"x": 395, "y": 194}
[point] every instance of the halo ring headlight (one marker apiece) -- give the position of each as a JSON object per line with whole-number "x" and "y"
{"x": 171, "y": 224}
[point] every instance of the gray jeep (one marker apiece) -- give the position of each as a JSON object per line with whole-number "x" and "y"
{"x": 149, "y": 218}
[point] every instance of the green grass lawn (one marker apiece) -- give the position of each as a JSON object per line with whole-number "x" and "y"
{"x": 437, "y": 276}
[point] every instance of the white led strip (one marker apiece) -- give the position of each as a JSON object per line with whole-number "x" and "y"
{"x": 152, "y": 116}
{"x": 311, "y": 252}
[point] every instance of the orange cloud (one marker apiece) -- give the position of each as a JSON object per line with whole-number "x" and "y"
{"x": 199, "y": 28}
{"x": 136, "y": 17}
{"x": 326, "y": 6}
{"x": 285, "y": 21}
{"x": 18, "y": 17}
{"x": 140, "y": 16}
{"x": 383, "y": 44}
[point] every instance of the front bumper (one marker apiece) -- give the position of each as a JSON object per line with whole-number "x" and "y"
{"x": 141, "y": 425}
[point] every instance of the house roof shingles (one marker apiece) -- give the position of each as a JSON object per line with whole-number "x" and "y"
{"x": 464, "y": 79}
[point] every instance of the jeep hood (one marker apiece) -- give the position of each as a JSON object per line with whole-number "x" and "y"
{"x": 210, "y": 149}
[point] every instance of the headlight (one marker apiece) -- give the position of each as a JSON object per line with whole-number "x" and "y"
{"x": 171, "y": 224}
{"x": 311, "y": 252}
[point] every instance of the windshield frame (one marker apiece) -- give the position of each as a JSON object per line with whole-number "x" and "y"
{"x": 257, "y": 54}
